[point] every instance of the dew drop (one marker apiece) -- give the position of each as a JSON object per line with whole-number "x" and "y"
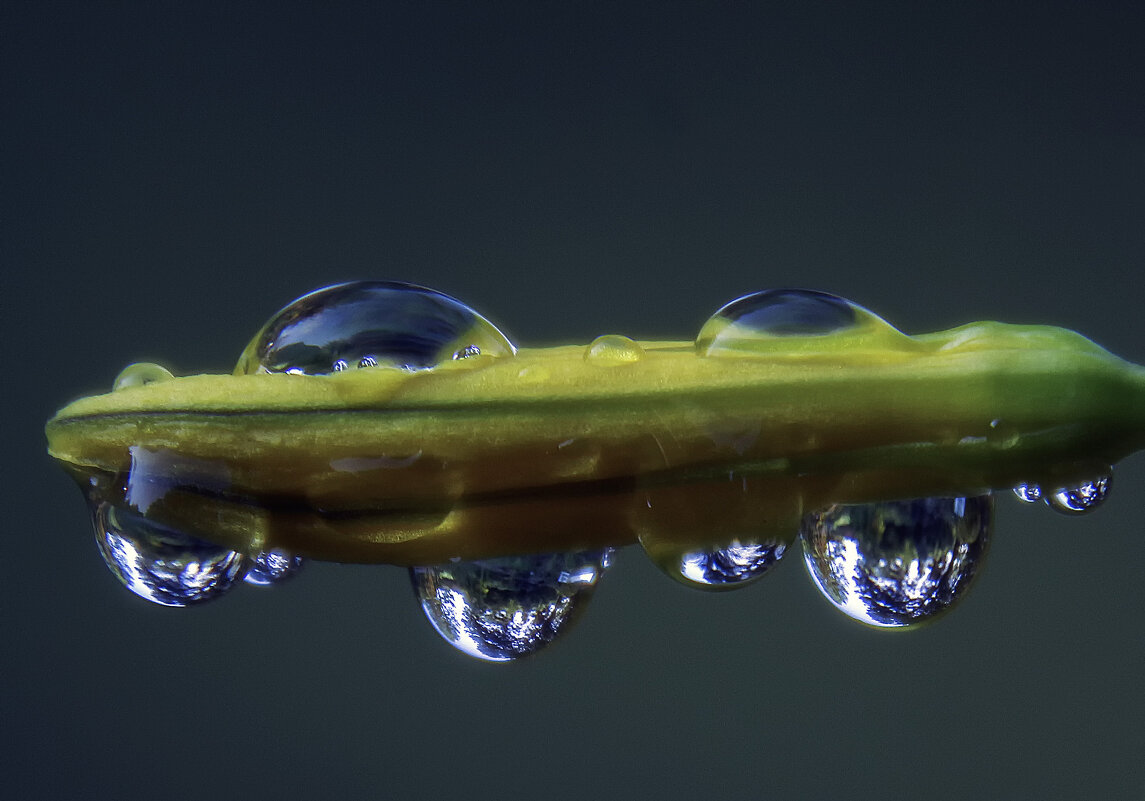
{"x": 1082, "y": 498}
{"x": 1002, "y": 434}
{"x": 897, "y": 563}
{"x": 140, "y": 374}
{"x": 1030, "y": 493}
{"x": 757, "y": 320}
{"x": 736, "y": 565}
{"x": 508, "y": 607}
{"x": 613, "y": 349}
{"x": 272, "y": 567}
{"x": 160, "y": 564}
{"x": 368, "y": 323}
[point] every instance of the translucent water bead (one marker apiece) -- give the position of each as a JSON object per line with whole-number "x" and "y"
{"x": 140, "y": 374}
{"x": 734, "y": 566}
{"x": 272, "y": 567}
{"x": 505, "y": 608}
{"x": 1082, "y": 498}
{"x": 370, "y": 323}
{"x": 780, "y": 318}
{"x": 897, "y": 563}
{"x": 160, "y": 564}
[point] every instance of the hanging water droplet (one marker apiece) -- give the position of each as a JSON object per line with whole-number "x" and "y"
{"x": 613, "y": 349}
{"x": 718, "y": 534}
{"x": 140, "y": 374}
{"x": 1030, "y": 493}
{"x": 736, "y": 565}
{"x": 1082, "y": 498}
{"x": 160, "y": 564}
{"x": 897, "y": 563}
{"x": 505, "y": 608}
{"x": 272, "y": 567}
{"x": 366, "y": 323}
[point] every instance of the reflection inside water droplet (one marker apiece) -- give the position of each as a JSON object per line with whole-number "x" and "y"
{"x": 272, "y": 567}
{"x": 369, "y": 323}
{"x": 160, "y": 564}
{"x": 897, "y": 563}
{"x": 734, "y": 566}
{"x": 1081, "y": 498}
{"x": 756, "y": 321}
{"x": 505, "y": 608}
{"x": 1030, "y": 493}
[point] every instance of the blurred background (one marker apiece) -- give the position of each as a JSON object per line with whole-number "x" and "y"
{"x": 173, "y": 175}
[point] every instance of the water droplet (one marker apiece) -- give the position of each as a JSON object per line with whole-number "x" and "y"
{"x": 1082, "y": 498}
{"x": 367, "y": 323}
{"x": 897, "y": 563}
{"x": 758, "y": 320}
{"x": 505, "y": 608}
{"x": 612, "y": 349}
{"x": 719, "y": 534}
{"x": 140, "y": 374}
{"x": 1001, "y": 434}
{"x": 1030, "y": 493}
{"x": 160, "y": 564}
{"x": 736, "y": 565}
{"x": 272, "y": 567}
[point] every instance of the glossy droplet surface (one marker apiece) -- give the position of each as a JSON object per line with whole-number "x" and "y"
{"x": 897, "y": 563}
{"x": 272, "y": 567}
{"x": 505, "y": 608}
{"x": 1082, "y": 498}
{"x": 140, "y": 374}
{"x": 371, "y": 323}
{"x": 1029, "y": 493}
{"x": 613, "y": 349}
{"x": 160, "y": 564}
{"x": 736, "y": 565}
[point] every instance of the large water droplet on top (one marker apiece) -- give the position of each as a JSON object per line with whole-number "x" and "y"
{"x": 1082, "y": 498}
{"x": 755, "y": 321}
{"x": 160, "y": 564}
{"x": 791, "y": 312}
{"x": 897, "y": 563}
{"x": 368, "y": 323}
{"x": 505, "y": 608}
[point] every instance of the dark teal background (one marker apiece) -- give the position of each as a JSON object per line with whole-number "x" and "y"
{"x": 171, "y": 177}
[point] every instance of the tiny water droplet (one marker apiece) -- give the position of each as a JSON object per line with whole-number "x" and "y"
{"x": 897, "y": 563}
{"x": 509, "y": 607}
{"x": 160, "y": 564}
{"x": 613, "y": 349}
{"x": 1001, "y": 434}
{"x": 140, "y": 374}
{"x": 1030, "y": 493}
{"x": 1082, "y": 498}
{"x": 366, "y": 323}
{"x": 272, "y": 567}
